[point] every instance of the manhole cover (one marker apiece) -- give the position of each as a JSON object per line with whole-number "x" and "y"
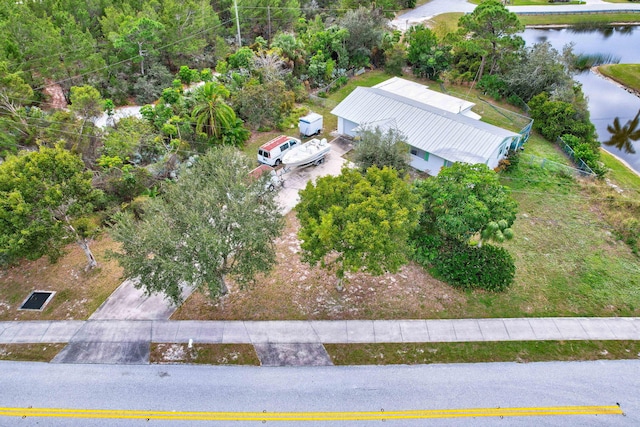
{"x": 37, "y": 300}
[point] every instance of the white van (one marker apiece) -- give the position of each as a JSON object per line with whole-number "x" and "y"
{"x": 271, "y": 153}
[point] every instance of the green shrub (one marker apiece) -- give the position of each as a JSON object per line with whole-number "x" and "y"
{"x": 470, "y": 267}
{"x": 425, "y": 248}
{"x": 492, "y": 85}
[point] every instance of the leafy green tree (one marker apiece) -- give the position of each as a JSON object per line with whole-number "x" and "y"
{"x": 211, "y": 113}
{"x": 215, "y": 221}
{"x": 45, "y": 196}
{"x": 492, "y": 26}
{"x": 365, "y": 28}
{"x": 264, "y": 105}
{"x": 265, "y": 18}
{"x": 291, "y": 50}
{"x": 553, "y": 118}
{"x": 541, "y": 69}
{"x": 87, "y": 103}
{"x": 138, "y": 38}
{"x": 466, "y": 200}
{"x": 428, "y": 58}
{"x": 375, "y": 147}
{"x": 358, "y": 222}
{"x": 395, "y": 59}
{"x": 14, "y": 94}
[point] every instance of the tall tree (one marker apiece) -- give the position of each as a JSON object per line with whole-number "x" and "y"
{"x": 354, "y": 222}
{"x": 427, "y": 56}
{"x": 215, "y": 221}
{"x": 465, "y": 200}
{"x": 492, "y": 26}
{"x": 138, "y": 38}
{"x": 211, "y": 113}
{"x": 375, "y": 147}
{"x": 87, "y": 103}
{"x": 366, "y": 28}
{"x": 44, "y": 197}
{"x": 264, "y": 105}
{"x": 264, "y": 18}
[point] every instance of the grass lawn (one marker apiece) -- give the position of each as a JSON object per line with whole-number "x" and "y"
{"x": 448, "y": 22}
{"x": 30, "y": 352}
{"x": 523, "y": 352}
{"x": 578, "y": 18}
{"x": 626, "y": 74}
{"x": 78, "y": 293}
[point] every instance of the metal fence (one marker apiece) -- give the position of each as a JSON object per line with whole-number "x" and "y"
{"x": 556, "y": 167}
{"x": 576, "y": 160}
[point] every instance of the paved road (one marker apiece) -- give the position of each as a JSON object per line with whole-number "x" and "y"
{"x": 345, "y": 391}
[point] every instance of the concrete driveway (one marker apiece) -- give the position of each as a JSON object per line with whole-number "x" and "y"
{"x": 296, "y": 179}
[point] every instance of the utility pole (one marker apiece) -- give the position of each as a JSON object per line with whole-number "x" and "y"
{"x": 269, "y": 20}
{"x": 235, "y": 5}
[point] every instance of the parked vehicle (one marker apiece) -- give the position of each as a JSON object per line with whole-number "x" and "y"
{"x": 309, "y": 153}
{"x": 271, "y": 153}
{"x": 275, "y": 178}
{"x": 311, "y": 124}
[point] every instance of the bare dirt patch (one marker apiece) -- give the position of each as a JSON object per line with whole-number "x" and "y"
{"x": 78, "y": 293}
{"x": 210, "y": 354}
{"x": 295, "y": 290}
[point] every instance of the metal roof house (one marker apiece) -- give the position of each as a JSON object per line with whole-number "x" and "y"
{"x": 438, "y": 127}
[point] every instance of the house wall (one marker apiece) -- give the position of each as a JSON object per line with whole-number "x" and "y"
{"x": 432, "y": 165}
{"x": 346, "y": 127}
{"x": 500, "y": 153}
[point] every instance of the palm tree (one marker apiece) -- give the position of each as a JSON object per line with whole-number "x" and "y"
{"x": 211, "y": 113}
{"x": 622, "y": 136}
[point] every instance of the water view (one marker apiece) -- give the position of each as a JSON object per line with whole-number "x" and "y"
{"x": 607, "y": 101}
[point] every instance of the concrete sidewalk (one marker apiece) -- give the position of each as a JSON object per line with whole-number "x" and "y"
{"x": 321, "y": 332}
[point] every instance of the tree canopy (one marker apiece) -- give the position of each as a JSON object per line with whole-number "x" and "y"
{"x": 491, "y": 26}
{"x": 356, "y": 221}
{"x": 214, "y": 221}
{"x": 375, "y": 147}
{"x": 45, "y": 196}
{"x": 465, "y": 200}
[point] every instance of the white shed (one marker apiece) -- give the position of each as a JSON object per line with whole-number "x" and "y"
{"x": 311, "y": 124}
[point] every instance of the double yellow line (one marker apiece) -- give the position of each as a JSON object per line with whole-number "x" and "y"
{"x": 310, "y": 416}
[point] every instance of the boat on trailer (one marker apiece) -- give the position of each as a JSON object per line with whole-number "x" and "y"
{"x": 307, "y": 154}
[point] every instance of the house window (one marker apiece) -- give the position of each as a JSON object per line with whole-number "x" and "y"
{"x": 426, "y": 156}
{"x": 447, "y": 163}
{"x": 414, "y": 152}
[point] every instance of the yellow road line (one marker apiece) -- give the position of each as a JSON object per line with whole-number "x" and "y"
{"x": 310, "y": 416}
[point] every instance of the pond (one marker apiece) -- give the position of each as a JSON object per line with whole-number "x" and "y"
{"x": 607, "y": 101}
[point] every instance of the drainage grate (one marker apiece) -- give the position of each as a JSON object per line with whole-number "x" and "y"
{"x": 37, "y": 300}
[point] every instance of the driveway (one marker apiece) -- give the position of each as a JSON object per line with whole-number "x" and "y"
{"x": 296, "y": 179}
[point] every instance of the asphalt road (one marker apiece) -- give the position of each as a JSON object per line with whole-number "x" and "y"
{"x": 221, "y": 395}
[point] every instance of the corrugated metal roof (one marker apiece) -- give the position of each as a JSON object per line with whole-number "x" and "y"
{"x": 422, "y": 93}
{"x": 453, "y": 137}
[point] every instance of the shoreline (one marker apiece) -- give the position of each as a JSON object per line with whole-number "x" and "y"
{"x": 596, "y": 70}
{"x": 552, "y": 26}
{"x": 624, "y": 162}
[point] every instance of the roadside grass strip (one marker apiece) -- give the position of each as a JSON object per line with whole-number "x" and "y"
{"x": 310, "y": 416}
